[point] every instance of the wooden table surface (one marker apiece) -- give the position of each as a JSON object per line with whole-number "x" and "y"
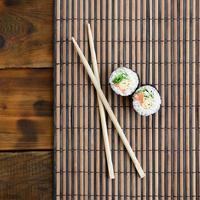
{"x": 26, "y": 80}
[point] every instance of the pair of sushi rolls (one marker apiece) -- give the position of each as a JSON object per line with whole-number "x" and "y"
{"x": 146, "y": 100}
{"x": 124, "y": 81}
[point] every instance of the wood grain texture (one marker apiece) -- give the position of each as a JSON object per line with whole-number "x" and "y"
{"x": 26, "y": 176}
{"x": 26, "y": 109}
{"x": 26, "y": 99}
{"x": 26, "y": 33}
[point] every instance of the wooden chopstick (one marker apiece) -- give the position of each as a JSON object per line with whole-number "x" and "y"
{"x": 101, "y": 108}
{"x": 109, "y": 110}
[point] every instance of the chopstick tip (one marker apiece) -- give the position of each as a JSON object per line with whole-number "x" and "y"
{"x": 74, "y": 41}
{"x": 112, "y": 177}
{"x": 142, "y": 175}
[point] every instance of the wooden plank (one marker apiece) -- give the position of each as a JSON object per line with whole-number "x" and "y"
{"x": 26, "y": 33}
{"x": 26, "y": 175}
{"x": 26, "y": 109}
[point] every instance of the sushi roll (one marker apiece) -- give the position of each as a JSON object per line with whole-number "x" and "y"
{"x": 123, "y": 81}
{"x": 146, "y": 100}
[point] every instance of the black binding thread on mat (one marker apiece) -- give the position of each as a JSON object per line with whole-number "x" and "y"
{"x": 106, "y": 91}
{"x": 61, "y": 99}
{"x": 72, "y": 102}
{"x": 138, "y": 63}
{"x": 122, "y": 20}
{"x": 166, "y": 98}
{"x": 178, "y": 87}
{"x": 54, "y": 100}
{"x": 147, "y": 81}
{"x": 95, "y": 100}
{"x": 136, "y": 116}
{"x": 89, "y": 110}
{"x": 127, "y": 128}
{"x": 101, "y": 75}
{"x": 78, "y": 101}
{"x": 84, "y": 95}
{"x": 130, "y": 101}
{"x": 191, "y": 96}
{"x": 197, "y": 98}
{"x": 113, "y": 99}
{"x": 124, "y": 103}
{"x": 160, "y": 112}
{"x": 126, "y": 41}
{"x": 184, "y": 102}
{"x": 122, "y": 172}
{"x": 116, "y": 150}
{"x": 172, "y": 101}
{"x": 67, "y": 94}
{"x": 121, "y": 196}
{"x": 141, "y": 75}
{"x": 153, "y": 82}
{"x": 118, "y": 98}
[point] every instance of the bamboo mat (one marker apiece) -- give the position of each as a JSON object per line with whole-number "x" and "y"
{"x": 160, "y": 41}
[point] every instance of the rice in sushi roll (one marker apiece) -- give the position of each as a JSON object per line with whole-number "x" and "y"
{"x": 123, "y": 81}
{"x": 146, "y": 100}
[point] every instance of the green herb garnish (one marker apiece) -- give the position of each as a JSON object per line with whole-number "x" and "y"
{"x": 143, "y": 90}
{"x": 120, "y": 77}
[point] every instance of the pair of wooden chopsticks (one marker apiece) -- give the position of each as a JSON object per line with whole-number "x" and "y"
{"x": 102, "y": 100}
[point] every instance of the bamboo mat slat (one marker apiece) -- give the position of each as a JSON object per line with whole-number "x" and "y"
{"x": 160, "y": 41}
